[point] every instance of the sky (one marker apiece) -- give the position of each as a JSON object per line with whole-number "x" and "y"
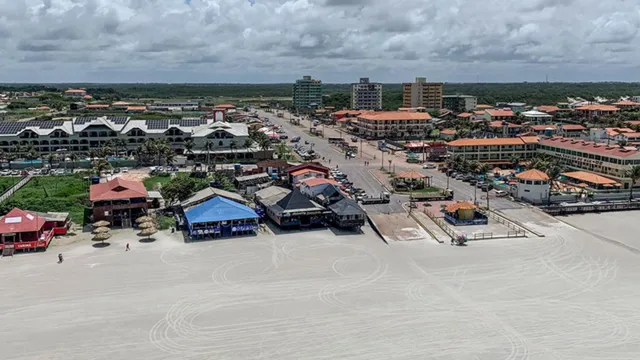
{"x": 336, "y": 41}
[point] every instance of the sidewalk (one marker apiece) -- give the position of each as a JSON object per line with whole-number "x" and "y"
{"x": 434, "y": 230}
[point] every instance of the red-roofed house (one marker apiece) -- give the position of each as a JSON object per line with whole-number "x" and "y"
{"x": 590, "y": 111}
{"x": 307, "y": 170}
{"x": 499, "y": 115}
{"x": 118, "y": 201}
{"x": 505, "y": 129}
{"x": 627, "y": 105}
{"x": 22, "y": 230}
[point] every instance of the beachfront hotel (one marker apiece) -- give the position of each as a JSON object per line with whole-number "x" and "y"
{"x": 496, "y": 151}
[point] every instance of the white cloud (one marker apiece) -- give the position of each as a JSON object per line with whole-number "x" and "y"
{"x": 334, "y": 40}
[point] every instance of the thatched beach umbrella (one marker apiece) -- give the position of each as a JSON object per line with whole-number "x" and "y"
{"x": 148, "y": 232}
{"x": 100, "y": 230}
{"x": 143, "y": 219}
{"x": 101, "y": 237}
{"x": 147, "y": 225}
{"x": 101, "y": 223}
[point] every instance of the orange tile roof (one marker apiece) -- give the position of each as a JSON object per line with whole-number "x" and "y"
{"x": 411, "y": 108}
{"x": 120, "y": 103}
{"x": 487, "y": 142}
{"x": 97, "y": 106}
{"x": 347, "y": 112}
{"x": 304, "y": 171}
{"x": 448, "y": 132}
{"x": 589, "y": 177}
{"x": 597, "y": 107}
{"x": 500, "y": 112}
{"x": 573, "y": 127}
{"x": 319, "y": 181}
{"x": 627, "y": 103}
{"x": 530, "y": 139}
{"x": 533, "y": 174}
{"x": 548, "y": 108}
{"x": 465, "y": 115}
{"x": 117, "y": 189}
{"x": 410, "y": 175}
{"x": 478, "y": 112}
{"x": 498, "y": 124}
{"x": 75, "y": 91}
{"x": 87, "y": 97}
{"x": 136, "y": 108}
{"x": 542, "y": 127}
{"x": 462, "y": 205}
{"x": 394, "y": 115}
{"x": 225, "y": 106}
{"x": 588, "y": 147}
{"x": 632, "y": 122}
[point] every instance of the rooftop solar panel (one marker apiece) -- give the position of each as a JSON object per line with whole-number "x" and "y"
{"x": 84, "y": 120}
{"x": 118, "y": 120}
{"x": 157, "y": 124}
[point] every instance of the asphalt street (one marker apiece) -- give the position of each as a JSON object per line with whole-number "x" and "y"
{"x": 355, "y": 169}
{"x": 359, "y": 174}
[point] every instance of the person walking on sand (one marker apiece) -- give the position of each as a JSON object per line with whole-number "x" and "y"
{"x": 127, "y": 247}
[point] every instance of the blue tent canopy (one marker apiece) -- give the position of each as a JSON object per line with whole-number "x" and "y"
{"x": 219, "y": 209}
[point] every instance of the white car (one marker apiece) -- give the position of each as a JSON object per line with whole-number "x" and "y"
{"x": 501, "y": 193}
{"x": 124, "y": 170}
{"x": 429, "y": 166}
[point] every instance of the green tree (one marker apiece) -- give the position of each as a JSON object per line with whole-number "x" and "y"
{"x": 208, "y": 146}
{"x": 100, "y": 165}
{"x": 634, "y": 174}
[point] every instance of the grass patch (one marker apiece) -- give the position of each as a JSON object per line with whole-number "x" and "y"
{"x": 156, "y": 182}
{"x": 165, "y": 222}
{"x": 6, "y": 182}
{"x": 52, "y": 193}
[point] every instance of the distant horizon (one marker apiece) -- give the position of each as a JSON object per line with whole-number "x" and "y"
{"x": 327, "y": 83}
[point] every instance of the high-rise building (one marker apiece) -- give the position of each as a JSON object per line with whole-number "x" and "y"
{"x": 366, "y": 95}
{"x": 307, "y": 93}
{"x": 422, "y": 94}
{"x": 459, "y": 103}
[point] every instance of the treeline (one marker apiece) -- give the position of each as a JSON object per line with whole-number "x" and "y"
{"x": 338, "y": 94}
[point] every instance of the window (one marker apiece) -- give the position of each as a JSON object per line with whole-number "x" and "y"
{"x": 220, "y": 143}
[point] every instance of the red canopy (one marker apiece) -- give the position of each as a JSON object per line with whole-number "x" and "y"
{"x": 17, "y": 221}
{"x": 117, "y": 189}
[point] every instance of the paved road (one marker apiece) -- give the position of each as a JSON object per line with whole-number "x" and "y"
{"x": 355, "y": 169}
{"x": 360, "y": 175}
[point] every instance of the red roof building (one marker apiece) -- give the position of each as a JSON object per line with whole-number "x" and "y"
{"x": 23, "y": 230}
{"x": 118, "y": 201}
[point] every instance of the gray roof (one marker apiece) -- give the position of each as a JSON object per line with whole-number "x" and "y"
{"x": 254, "y": 177}
{"x": 346, "y": 206}
{"x": 154, "y": 195}
{"x": 271, "y": 195}
{"x": 210, "y": 192}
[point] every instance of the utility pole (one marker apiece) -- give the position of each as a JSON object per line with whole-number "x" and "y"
{"x": 361, "y": 154}
{"x": 382, "y": 161}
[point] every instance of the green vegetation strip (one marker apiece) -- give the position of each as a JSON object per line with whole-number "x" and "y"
{"x": 52, "y": 193}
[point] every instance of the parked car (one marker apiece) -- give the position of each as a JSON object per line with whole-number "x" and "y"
{"x": 501, "y": 193}
{"x": 472, "y": 182}
{"x": 429, "y": 166}
{"x": 295, "y": 139}
{"x": 354, "y": 139}
{"x": 459, "y": 177}
{"x": 283, "y": 137}
{"x": 487, "y": 187}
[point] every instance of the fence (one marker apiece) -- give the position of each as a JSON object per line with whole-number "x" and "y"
{"x": 442, "y": 224}
{"x": 517, "y": 230}
{"x": 15, "y": 188}
{"x": 482, "y": 236}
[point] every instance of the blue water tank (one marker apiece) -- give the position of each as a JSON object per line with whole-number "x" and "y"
{"x": 95, "y": 180}
{"x": 548, "y": 132}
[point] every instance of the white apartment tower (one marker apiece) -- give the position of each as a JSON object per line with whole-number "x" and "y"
{"x": 366, "y": 95}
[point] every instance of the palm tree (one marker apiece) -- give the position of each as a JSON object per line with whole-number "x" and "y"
{"x": 515, "y": 161}
{"x": 248, "y": 143}
{"x": 73, "y": 157}
{"x": 553, "y": 170}
{"x": 100, "y": 165}
{"x": 32, "y": 153}
{"x": 169, "y": 155}
{"x": 634, "y": 174}
{"x": 51, "y": 158}
{"x": 208, "y": 146}
{"x": 188, "y": 147}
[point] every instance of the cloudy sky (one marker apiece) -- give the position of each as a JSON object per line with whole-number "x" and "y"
{"x": 333, "y": 40}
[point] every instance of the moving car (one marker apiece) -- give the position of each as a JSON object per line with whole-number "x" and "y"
{"x": 501, "y": 193}
{"x": 429, "y": 166}
{"x": 295, "y": 139}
